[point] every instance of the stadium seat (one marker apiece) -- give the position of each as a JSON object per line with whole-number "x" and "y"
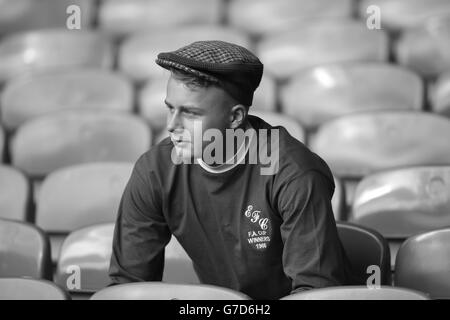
{"x": 24, "y": 251}
{"x": 43, "y": 50}
{"x": 260, "y": 17}
{"x": 14, "y": 194}
{"x": 165, "y": 291}
{"x": 402, "y": 202}
{"x": 403, "y": 14}
{"x": 423, "y": 263}
{"x": 359, "y": 144}
{"x": 365, "y": 247}
{"x": 426, "y": 49}
{"x": 278, "y": 119}
{"x": 319, "y": 94}
{"x": 265, "y": 97}
{"x": 358, "y": 293}
{"x": 124, "y": 17}
{"x": 27, "y": 97}
{"x": 137, "y": 53}
{"x": 90, "y": 248}
{"x": 439, "y": 94}
{"x": 21, "y": 15}
{"x": 70, "y": 137}
{"x": 316, "y": 43}
{"x": 30, "y": 289}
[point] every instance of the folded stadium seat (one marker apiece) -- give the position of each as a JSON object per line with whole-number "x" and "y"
{"x": 14, "y": 194}
{"x": 365, "y": 247}
{"x": 124, "y": 17}
{"x": 167, "y": 291}
{"x": 90, "y": 249}
{"x": 78, "y": 196}
{"x": 358, "y": 293}
{"x": 358, "y": 144}
{"x": 27, "y": 97}
{"x": 315, "y": 43}
{"x": 426, "y": 49}
{"x": 70, "y": 137}
{"x": 398, "y": 15}
{"x": 423, "y": 263}
{"x": 439, "y": 95}
{"x": 30, "y": 289}
{"x": 24, "y": 251}
{"x": 319, "y": 94}
{"x": 259, "y": 17}
{"x": 402, "y": 202}
{"x": 31, "y": 14}
{"x": 48, "y": 49}
{"x": 138, "y": 53}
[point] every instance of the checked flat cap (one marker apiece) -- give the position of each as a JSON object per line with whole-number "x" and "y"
{"x": 234, "y": 67}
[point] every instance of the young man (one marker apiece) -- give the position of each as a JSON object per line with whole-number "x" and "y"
{"x": 265, "y": 228}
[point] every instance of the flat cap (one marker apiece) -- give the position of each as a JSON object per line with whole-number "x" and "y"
{"x": 234, "y": 67}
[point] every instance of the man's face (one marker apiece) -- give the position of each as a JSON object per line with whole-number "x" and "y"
{"x": 205, "y": 107}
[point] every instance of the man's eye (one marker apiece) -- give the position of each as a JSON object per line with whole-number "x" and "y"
{"x": 171, "y": 109}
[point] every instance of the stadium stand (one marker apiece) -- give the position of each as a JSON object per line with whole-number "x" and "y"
{"x": 165, "y": 291}
{"x": 27, "y": 97}
{"x": 14, "y": 194}
{"x": 30, "y": 289}
{"x": 315, "y": 43}
{"x": 317, "y": 95}
{"x": 358, "y": 293}
{"x": 24, "y": 251}
{"x": 439, "y": 94}
{"x": 70, "y": 137}
{"x": 423, "y": 263}
{"x": 41, "y": 50}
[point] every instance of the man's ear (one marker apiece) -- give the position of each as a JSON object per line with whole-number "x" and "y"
{"x": 238, "y": 114}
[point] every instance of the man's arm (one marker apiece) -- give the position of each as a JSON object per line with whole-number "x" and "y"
{"x": 140, "y": 234}
{"x": 313, "y": 256}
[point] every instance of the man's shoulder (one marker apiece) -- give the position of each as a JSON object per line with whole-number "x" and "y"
{"x": 157, "y": 158}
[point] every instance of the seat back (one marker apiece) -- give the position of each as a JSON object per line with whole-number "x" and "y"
{"x": 315, "y": 43}
{"x": 30, "y": 289}
{"x": 358, "y": 144}
{"x": 27, "y": 97}
{"x": 278, "y": 119}
{"x": 319, "y": 94}
{"x": 439, "y": 94}
{"x": 402, "y": 202}
{"x": 423, "y": 263}
{"x": 24, "y": 251}
{"x": 70, "y": 137}
{"x": 167, "y": 291}
{"x": 358, "y": 293}
{"x": 14, "y": 194}
{"x": 365, "y": 247}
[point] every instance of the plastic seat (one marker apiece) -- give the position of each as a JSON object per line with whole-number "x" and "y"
{"x": 165, "y": 291}
{"x": 30, "y": 289}
{"x": 322, "y": 93}
{"x": 359, "y": 144}
{"x": 278, "y": 119}
{"x": 24, "y": 251}
{"x": 43, "y": 50}
{"x": 365, "y": 247}
{"x": 70, "y": 137}
{"x": 27, "y": 97}
{"x": 31, "y": 14}
{"x": 90, "y": 248}
{"x": 137, "y": 53}
{"x": 265, "y": 96}
{"x": 123, "y": 17}
{"x": 265, "y": 16}
{"x": 426, "y": 49}
{"x": 423, "y": 263}
{"x": 404, "y": 14}
{"x": 14, "y": 194}
{"x": 316, "y": 43}
{"x": 358, "y": 293}
{"x": 439, "y": 94}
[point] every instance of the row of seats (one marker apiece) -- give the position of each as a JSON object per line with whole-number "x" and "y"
{"x": 422, "y": 261}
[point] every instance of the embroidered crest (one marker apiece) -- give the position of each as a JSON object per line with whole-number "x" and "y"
{"x": 259, "y": 231}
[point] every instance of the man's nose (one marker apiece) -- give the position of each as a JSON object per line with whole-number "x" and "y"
{"x": 174, "y": 121}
